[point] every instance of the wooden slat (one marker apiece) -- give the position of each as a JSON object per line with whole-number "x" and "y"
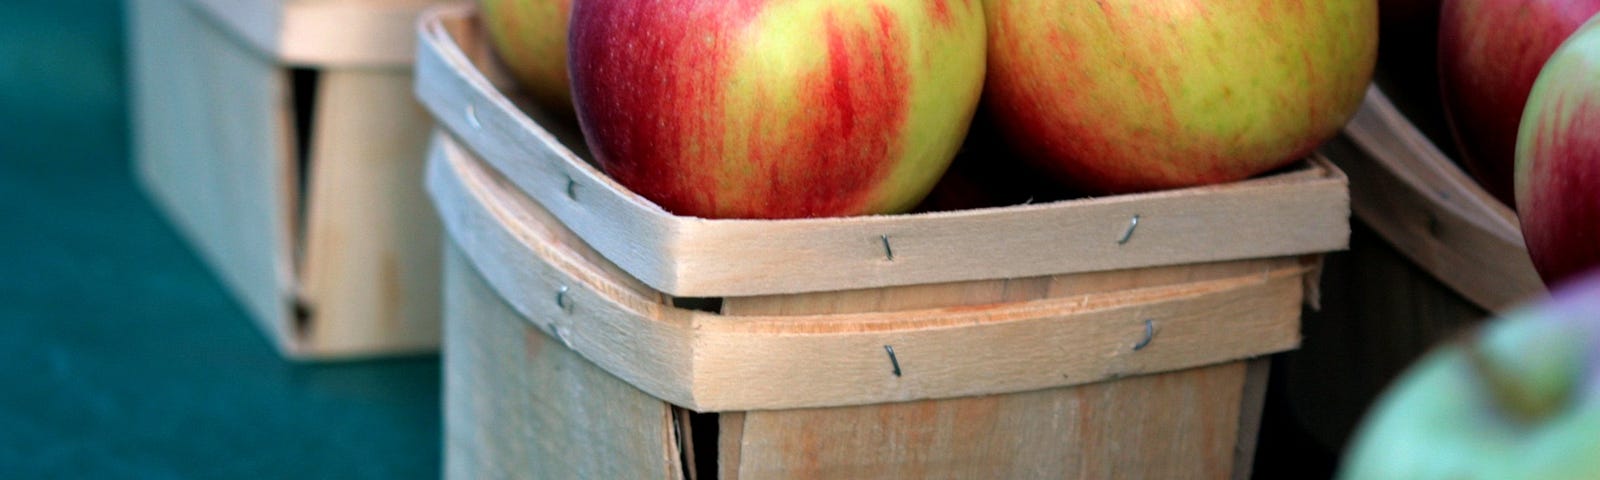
{"x": 370, "y": 271}
{"x": 1180, "y": 424}
{"x": 212, "y": 147}
{"x": 710, "y": 362}
{"x": 342, "y": 33}
{"x": 1077, "y": 432}
{"x": 518, "y": 405}
{"x": 1252, "y": 402}
{"x": 1423, "y": 204}
{"x": 1299, "y": 212}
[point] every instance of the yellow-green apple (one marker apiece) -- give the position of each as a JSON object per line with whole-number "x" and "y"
{"x": 776, "y": 108}
{"x": 1558, "y": 160}
{"x": 1129, "y": 95}
{"x": 1490, "y": 51}
{"x": 1520, "y": 399}
{"x": 530, "y": 37}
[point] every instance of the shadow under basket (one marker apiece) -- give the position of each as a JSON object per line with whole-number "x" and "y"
{"x": 1434, "y": 255}
{"x": 591, "y": 334}
{"x": 282, "y": 138}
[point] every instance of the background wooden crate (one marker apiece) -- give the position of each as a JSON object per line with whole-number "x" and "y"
{"x": 1434, "y": 255}
{"x": 282, "y": 138}
{"x": 591, "y": 334}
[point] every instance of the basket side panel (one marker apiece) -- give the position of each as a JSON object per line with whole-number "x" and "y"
{"x": 1172, "y": 425}
{"x": 520, "y": 405}
{"x": 371, "y": 261}
{"x": 212, "y": 147}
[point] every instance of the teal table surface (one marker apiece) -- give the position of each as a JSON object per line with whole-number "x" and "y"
{"x": 121, "y": 355}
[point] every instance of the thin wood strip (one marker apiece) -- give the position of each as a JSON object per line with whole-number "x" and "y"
{"x": 710, "y": 362}
{"x": 1421, "y": 203}
{"x": 1299, "y": 212}
{"x": 346, "y": 33}
{"x": 1252, "y": 403}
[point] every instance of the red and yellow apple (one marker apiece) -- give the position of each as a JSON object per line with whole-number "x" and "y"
{"x": 776, "y": 108}
{"x": 530, "y": 37}
{"x": 1490, "y": 52}
{"x": 1129, "y": 95}
{"x": 1518, "y": 400}
{"x": 1558, "y": 160}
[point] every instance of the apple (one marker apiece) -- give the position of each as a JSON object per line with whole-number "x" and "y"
{"x": 776, "y": 109}
{"x": 1129, "y": 95}
{"x": 530, "y": 37}
{"x": 1490, "y": 51}
{"x": 1558, "y": 160}
{"x": 1518, "y": 399}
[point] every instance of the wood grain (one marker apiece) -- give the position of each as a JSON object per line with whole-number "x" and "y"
{"x": 1180, "y": 424}
{"x": 519, "y": 405}
{"x": 369, "y": 276}
{"x": 1095, "y": 430}
{"x": 1302, "y": 211}
{"x": 1423, "y": 204}
{"x": 711, "y": 362}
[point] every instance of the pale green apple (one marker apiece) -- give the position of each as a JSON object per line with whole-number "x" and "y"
{"x": 1518, "y": 400}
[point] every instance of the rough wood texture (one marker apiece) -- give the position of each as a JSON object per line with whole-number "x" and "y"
{"x": 210, "y": 131}
{"x": 519, "y": 405}
{"x": 1125, "y": 428}
{"x": 326, "y": 33}
{"x": 1180, "y": 424}
{"x": 1423, "y": 204}
{"x": 215, "y": 145}
{"x": 370, "y": 271}
{"x": 1080, "y": 329}
{"x": 1299, "y": 212}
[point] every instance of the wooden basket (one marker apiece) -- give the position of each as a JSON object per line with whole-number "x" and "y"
{"x": 590, "y": 334}
{"x": 1442, "y": 255}
{"x": 282, "y": 138}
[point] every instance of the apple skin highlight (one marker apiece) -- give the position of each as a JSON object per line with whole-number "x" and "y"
{"x": 1121, "y": 96}
{"x": 1558, "y": 160}
{"x": 776, "y": 108}
{"x": 1490, "y": 53}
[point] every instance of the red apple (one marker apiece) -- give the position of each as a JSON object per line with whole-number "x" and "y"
{"x": 530, "y": 37}
{"x": 1558, "y": 160}
{"x": 1490, "y": 51}
{"x": 1129, "y": 95}
{"x": 776, "y": 108}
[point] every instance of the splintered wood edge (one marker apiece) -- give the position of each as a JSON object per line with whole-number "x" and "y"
{"x": 1302, "y": 211}
{"x": 711, "y": 362}
{"x": 1425, "y": 206}
{"x": 366, "y": 33}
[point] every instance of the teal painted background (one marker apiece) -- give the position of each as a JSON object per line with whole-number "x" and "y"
{"x": 121, "y": 356}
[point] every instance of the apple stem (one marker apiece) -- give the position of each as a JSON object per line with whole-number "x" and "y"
{"x": 1523, "y": 405}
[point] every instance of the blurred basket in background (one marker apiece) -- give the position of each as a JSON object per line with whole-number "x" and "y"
{"x": 282, "y": 138}
{"x": 1433, "y": 254}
